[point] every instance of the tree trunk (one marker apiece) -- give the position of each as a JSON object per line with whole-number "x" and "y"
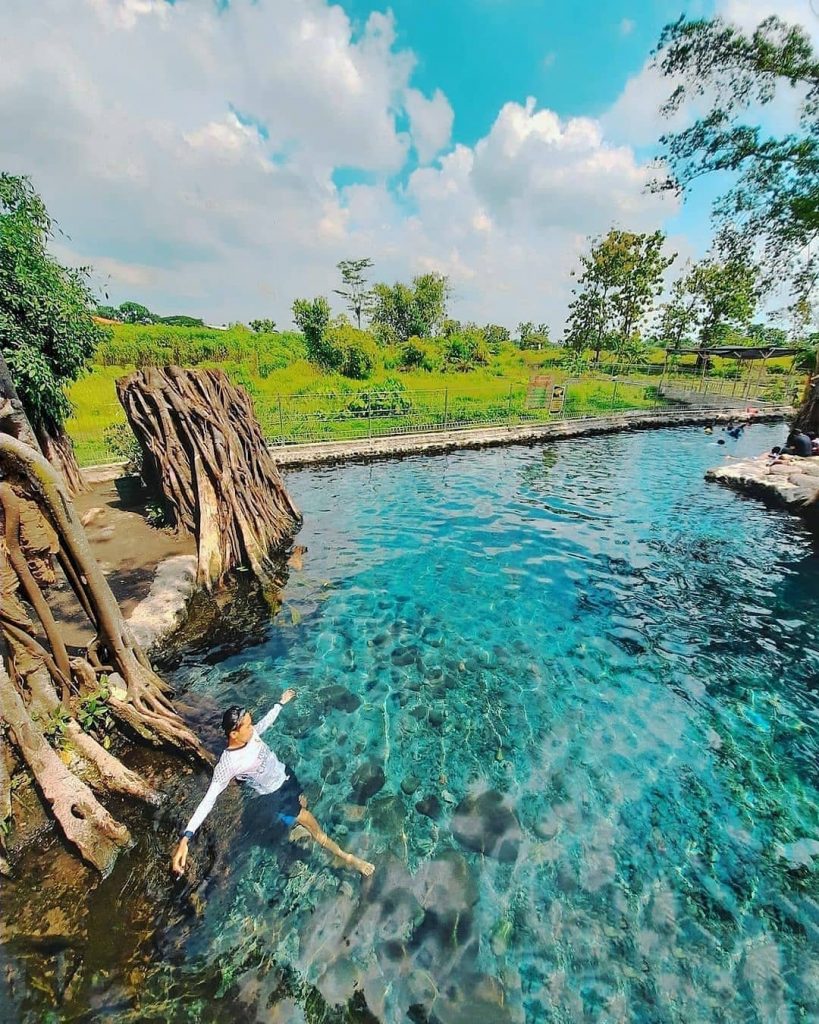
{"x": 13, "y": 419}
{"x": 146, "y": 693}
{"x": 205, "y": 454}
{"x": 807, "y": 417}
{"x": 53, "y": 441}
{"x": 57, "y": 447}
{"x": 5, "y": 802}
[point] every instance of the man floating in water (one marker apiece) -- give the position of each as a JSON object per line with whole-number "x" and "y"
{"x": 249, "y": 759}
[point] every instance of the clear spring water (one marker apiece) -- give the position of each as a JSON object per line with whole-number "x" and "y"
{"x": 597, "y": 678}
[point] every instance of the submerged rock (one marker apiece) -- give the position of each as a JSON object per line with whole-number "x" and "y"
{"x": 485, "y": 824}
{"x": 340, "y": 698}
{"x": 436, "y": 717}
{"x": 410, "y": 783}
{"x": 367, "y": 780}
{"x": 430, "y": 806}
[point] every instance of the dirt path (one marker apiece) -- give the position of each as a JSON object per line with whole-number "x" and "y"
{"x": 127, "y": 549}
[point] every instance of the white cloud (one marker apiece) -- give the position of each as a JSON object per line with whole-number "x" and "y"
{"x": 549, "y": 60}
{"x": 749, "y": 13}
{"x": 627, "y": 26}
{"x": 430, "y": 122}
{"x": 190, "y": 155}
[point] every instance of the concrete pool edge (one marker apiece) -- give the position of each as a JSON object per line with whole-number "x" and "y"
{"x": 442, "y": 442}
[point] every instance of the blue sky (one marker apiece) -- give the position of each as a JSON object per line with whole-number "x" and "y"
{"x": 575, "y": 57}
{"x": 219, "y": 159}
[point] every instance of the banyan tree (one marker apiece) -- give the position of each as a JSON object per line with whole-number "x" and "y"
{"x": 47, "y": 331}
{"x": 46, "y": 688}
{"x": 205, "y": 455}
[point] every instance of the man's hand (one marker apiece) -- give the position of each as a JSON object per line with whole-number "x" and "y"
{"x": 287, "y": 696}
{"x": 180, "y": 857}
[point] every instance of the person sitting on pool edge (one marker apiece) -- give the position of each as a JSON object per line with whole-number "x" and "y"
{"x": 249, "y": 759}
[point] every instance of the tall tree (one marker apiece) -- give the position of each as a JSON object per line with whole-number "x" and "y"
{"x": 679, "y": 316}
{"x": 354, "y": 289}
{"x": 639, "y": 264}
{"x": 405, "y": 311}
{"x": 620, "y": 279}
{"x": 46, "y": 328}
{"x": 772, "y": 208}
{"x": 725, "y": 297}
{"x": 312, "y": 317}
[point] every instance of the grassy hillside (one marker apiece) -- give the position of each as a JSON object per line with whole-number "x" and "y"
{"x": 291, "y": 395}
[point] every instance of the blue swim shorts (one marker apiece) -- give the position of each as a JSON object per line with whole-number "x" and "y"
{"x": 284, "y": 803}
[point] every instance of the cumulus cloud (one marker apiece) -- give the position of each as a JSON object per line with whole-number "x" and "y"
{"x": 430, "y": 122}
{"x": 191, "y": 157}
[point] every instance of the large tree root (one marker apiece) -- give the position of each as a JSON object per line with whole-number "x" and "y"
{"x": 84, "y": 821}
{"x": 57, "y": 447}
{"x": 5, "y": 801}
{"x": 108, "y": 773}
{"x": 145, "y": 691}
{"x": 42, "y": 692}
{"x": 206, "y": 455}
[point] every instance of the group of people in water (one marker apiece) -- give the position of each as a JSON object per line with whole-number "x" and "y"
{"x": 798, "y": 443}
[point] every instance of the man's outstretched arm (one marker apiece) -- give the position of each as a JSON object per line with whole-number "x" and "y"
{"x": 271, "y": 716}
{"x": 217, "y": 785}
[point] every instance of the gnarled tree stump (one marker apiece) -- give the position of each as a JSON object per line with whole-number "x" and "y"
{"x": 43, "y": 687}
{"x": 206, "y": 456}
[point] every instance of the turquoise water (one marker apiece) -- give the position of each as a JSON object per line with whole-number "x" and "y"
{"x": 567, "y": 699}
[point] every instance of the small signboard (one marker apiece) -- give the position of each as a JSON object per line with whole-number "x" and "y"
{"x": 557, "y": 400}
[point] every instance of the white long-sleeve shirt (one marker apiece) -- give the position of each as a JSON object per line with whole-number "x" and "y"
{"x": 254, "y": 763}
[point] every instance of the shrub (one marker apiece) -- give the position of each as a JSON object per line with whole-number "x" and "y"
{"x": 122, "y": 443}
{"x": 465, "y": 351}
{"x": 387, "y": 400}
{"x": 420, "y": 354}
{"x": 353, "y": 353}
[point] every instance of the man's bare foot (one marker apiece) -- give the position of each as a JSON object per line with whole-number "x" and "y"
{"x": 363, "y": 866}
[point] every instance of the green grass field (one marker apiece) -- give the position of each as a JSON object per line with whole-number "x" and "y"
{"x": 295, "y": 400}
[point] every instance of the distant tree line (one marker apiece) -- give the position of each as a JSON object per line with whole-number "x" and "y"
{"x": 135, "y": 313}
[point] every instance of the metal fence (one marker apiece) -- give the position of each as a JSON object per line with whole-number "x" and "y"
{"x": 295, "y": 419}
{"x": 374, "y": 412}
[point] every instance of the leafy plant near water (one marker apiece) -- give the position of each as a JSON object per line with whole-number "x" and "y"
{"x": 56, "y": 725}
{"x": 94, "y": 714}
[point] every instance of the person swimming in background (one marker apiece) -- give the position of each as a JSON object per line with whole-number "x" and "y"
{"x": 248, "y": 758}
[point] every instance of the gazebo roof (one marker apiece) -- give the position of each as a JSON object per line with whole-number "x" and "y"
{"x": 736, "y": 351}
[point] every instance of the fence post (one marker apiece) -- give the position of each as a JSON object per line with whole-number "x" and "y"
{"x": 509, "y": 408}
{"x": 369, "y": 416}
{"x": 446, "y": 407}
{"x": 614, "y": 392}
{"x": 281, "y": 420}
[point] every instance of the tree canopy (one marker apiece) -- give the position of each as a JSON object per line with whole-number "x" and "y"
{"x": 770, "y": 212}
{"x": 354, "y": 287}
{"x": 621, "y": 276}
{"x": 404, "y": 311}
{"x": 46, "y": 328}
